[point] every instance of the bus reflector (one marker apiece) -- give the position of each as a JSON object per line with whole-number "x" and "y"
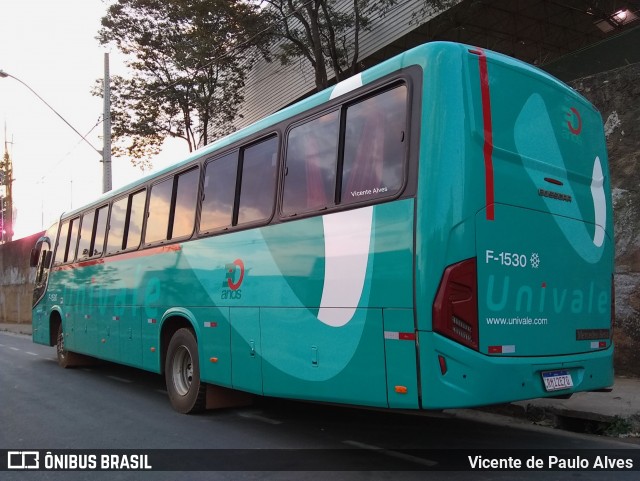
{"x": 213, "y": 359}
{"x": 455, "y": 309}
{"x": 400, "y": 336}
{"x": 443, "y": 364}
{"x": 401, "y": 390}
{"x": 153, "y": 349}
{"x": 510, "y": 349}
{"x": 553, "y": 181}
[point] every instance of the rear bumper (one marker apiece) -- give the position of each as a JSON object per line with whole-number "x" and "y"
{"x": 475, "y": 379}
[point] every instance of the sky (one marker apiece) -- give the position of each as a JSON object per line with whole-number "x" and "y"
{"x": 51, "y": 47}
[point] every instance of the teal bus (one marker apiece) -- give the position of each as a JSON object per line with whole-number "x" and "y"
{"x": 435, "y": 232}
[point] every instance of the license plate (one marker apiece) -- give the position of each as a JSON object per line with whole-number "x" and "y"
{"x": 557, "y": 380}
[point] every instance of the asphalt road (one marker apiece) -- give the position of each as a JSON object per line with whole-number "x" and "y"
{"x": 107, "y": 407}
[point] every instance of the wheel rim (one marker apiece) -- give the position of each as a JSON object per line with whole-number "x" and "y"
{"x": 182, "y": 370}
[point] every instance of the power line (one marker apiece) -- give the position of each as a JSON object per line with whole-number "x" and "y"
{"x": 4, "y": 74}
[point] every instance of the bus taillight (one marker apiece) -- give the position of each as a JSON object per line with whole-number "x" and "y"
{"x": 455, "y": 309}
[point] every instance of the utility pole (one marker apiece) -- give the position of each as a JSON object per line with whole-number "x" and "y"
{"x": 6, "y": 170}
{"x": 106, "y": 129}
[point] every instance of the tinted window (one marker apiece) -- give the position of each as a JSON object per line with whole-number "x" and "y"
{"x": 219, "y": 192}
{"x": 73, "y": 240}
{"x": 117, "y": 225}
{"x": 258, "y": 176}
{"x": 136, "y": 218}
{"x": 374, "y": 150}
{"x": 159, "y": 207}
{"x": 86, "y": 231}
{"x": 185, "y": 206}
{"x": 101, "y": 228}
{"x": 311, "y": 165}
{"x": 61, "y": 250}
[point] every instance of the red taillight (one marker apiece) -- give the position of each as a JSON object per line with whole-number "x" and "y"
{"x": 455, "y": 309}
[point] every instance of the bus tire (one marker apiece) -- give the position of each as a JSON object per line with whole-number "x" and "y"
{"x": 66, "y": 359}
{"x": 182, "y": 373}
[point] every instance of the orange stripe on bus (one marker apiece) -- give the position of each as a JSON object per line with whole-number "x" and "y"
{"x": 120, "y": 257}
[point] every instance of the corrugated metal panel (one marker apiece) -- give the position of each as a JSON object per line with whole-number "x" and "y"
{"x": 271, "y": 86}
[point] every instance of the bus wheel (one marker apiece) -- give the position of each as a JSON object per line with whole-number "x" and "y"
{"x": 65, "y": 358}
{"x": 182, "y": 373}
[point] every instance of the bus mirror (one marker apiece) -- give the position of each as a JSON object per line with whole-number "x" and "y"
{"x": 35, "y": 255}
{"x": 47, "y": 259}
{"x": 35, "y": 252}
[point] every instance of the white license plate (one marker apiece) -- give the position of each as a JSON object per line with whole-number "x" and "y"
{"x": 557, "y": 380}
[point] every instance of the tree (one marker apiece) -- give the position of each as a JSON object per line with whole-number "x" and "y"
{"x": 327, "y": 32}
{"x": 188, "y": 60}
{"x": 321, "y": 32}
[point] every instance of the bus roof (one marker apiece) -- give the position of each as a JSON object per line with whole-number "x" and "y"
{"x": 414, "y": 56}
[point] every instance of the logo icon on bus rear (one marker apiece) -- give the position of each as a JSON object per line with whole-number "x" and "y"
{"x": 574, "y": 121}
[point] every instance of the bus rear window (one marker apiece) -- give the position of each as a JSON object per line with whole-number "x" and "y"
{"x": 374, "y": 149}
{"x": 312, "y": 153}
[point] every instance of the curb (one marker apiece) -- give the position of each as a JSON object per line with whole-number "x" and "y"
{"x": 586, "y": 422}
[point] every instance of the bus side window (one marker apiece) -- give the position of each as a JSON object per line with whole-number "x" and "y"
{"x": 125, "y": 223}
{"x": 184, "y": 209}
{"x": 74, "y": 231}
{"x": 61, "y": 248}
{"x": 219, "y": 193}
{"x": 67, "y": 242}
{"x": 158, "y": 216}
{"x": 86, "y": 231}
{"x": 100, "y": 231}
{"x": 312, "y": 153}
{"x": 374, "y": 150}
{"x": 116, "y": 226}
{"x": 258, "y": 181}
{"x": 135, "y": 219}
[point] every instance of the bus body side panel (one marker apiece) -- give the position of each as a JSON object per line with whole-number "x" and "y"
{"x": 317, "y": 289}
{"x": 40, "y": 322}
{"x": 294, "y": 309}
{"x": 524, "y": 168}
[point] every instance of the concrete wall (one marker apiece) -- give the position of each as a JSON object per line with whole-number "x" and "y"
{"x": 16, "y": 280}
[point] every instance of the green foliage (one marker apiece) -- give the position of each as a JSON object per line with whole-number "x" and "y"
{"x": 327, "y": 33}
{"x": 618, "y": 427}
{"x": 321, "y": 31}
{"x": 188, "y": 61}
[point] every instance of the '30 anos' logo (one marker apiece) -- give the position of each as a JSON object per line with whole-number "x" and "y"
{"x": 234, "y": 275}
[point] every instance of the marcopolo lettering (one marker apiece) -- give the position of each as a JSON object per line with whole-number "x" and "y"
{"x": 554, "y": 195}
